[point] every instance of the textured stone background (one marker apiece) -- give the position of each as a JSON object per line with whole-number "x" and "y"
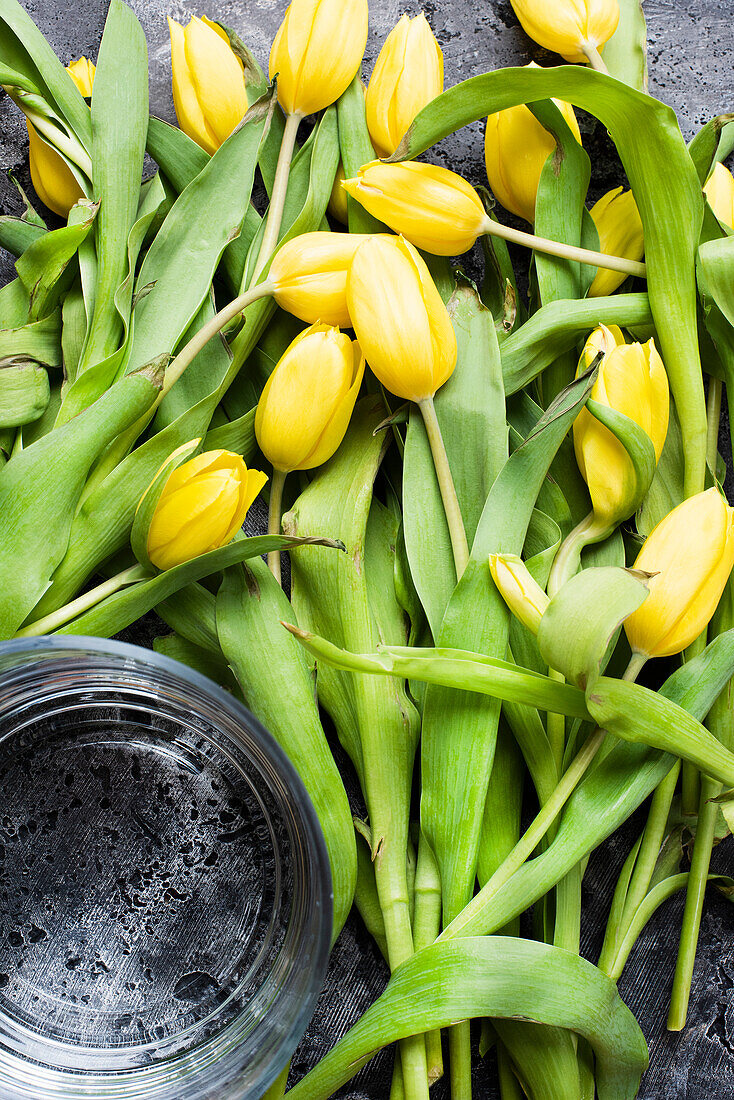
{"x": 691, "y": 49}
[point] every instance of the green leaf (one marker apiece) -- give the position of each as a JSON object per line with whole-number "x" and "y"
{"x": 40, "y": 487}
{"x": 119, "y": 126}
{"x": 470, "y": 412}
{"x": 479, "y": 977}
{"x": 666, "y": 488}
{"x": 582, "y": 621}
{"x": 637, "y": 444}
{"x": 201, "y": 660}
{"x": 356, "y": 149}
{"x": 705, "y": 148}
{"x": 459, "y": 729}
{"x": 666, "y": 187}
{"x": 24, "y": 392}
{"x": 38, "y": 340}
{"x": 44, "y": 262}
{"x": 16, "y": 234}
{"x": 264, "y": 657}
{"x": 124, "y": 607}
{"x": 625, "y": 54}
{"x": 556, "y": 328}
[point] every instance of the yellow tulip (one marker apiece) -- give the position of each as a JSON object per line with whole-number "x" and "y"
{"x": 568, "y": 27}
{"x": 516, "y": 147}
{"x": 690, "y": 555}
{"x": 401, "y": 323}
{"x": 307, "y": 402}
{"x": 407, "y": 75}
{"x": 82, "y": 72}
{"x": 719, "y": 190}
{"x": 53, "y": 180}
{"x": 209, "y": 91}
{"x": 521, "y": 592}
{"x": 633, "y": 381}
{"x": 309, "y": 276}
{"x": 317, "y": 52}
{"x": 619, "y": 226}
{"x": 202, "y": 507}
{"x": 433, "y": 208}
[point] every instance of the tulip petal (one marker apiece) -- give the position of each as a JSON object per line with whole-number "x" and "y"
{"x": 188, "y": 110}
{"x": 336, "y": 428}
{"x": 52, "y": 178}
{"x": 218, "y": 79}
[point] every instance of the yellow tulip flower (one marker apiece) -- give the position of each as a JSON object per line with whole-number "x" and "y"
{"x": 619, "y": 226}
{"x": 434, "y": 208}
{"x": 516, "y": 147}
{"x": 401, "y": 323}
{"x": 317, "y": 52}
{"x": 53, "y": 180}
{"x": 305, "y": 407}
{"x": 202, "y": 507}
{"x": 569, "y": 27}
{"x": 209, "y": 91}
{"x": 719, "y": 190}
{"x": 690, "y": 555}
{"x": 633, "y": 381}
{"x": 309, "y": 276}
{"x": 407, "y": 75}
{"x": 521, "y": 592}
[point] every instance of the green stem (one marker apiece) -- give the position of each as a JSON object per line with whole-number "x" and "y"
{"x": 460, "y": 1060}
{"x": 556, "y": 726}
{"x": 219, "y": 321}
{"x": 275, "y": 511}
{"x": 713, "y": 416}
{"x": 459, "y": 545}
{"x": 565, "y": 251}
{"x": 645, "y": 910}
{"x": 568, "y": 559}
{"x": 426, "y": 928}
{"x": 595, "y": 59}
{"x": 277, "y": 197}
{"x": 49, "y": 623}
{"x": 532, "y": 836}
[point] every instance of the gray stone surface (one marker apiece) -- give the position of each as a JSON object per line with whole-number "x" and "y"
{"x": 691, "y": 53}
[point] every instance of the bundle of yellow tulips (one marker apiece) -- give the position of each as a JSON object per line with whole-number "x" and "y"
{"x": 497, "y": 506}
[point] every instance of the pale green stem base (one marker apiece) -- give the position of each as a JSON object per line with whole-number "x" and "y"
{"x": 275, "y": 510}
{"x": 459, "y": 544}
{"x": 277, "y": 198}
{"x": 568, "y": 559}
{"x": 565, "y": 251}
{"x": 595, "y": 59}
{"x": 49, "y": 623}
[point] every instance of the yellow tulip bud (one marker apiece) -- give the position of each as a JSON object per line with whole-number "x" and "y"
{"x": 305, "y": 408}
{"x": 521, "y": 592}
{"x": 53, "y": 180}
{"x": 338, "y": 198}
{"x": 309, "y": 275}
{"x": 633, "y": 381}
{"x": 619, "y": 226}
{"x": 568, "y": 27}
{"x": 401, "y": 323}
{"x": 407, "y": 75}
{"x": 317, "y": 52}
{"x": 202, "y": 507}
{"x": 690, "y": 555}
{"x": 719, "y": 190}
{"x": 82, "y": 72}
{"x": 209, "y": 91}
{"x": 516, "y": 147}
{"x": 433, "y": 208}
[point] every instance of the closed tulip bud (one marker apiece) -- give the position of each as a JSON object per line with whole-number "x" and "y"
{"x": 317, "y": 52}
{"x": 631, "y": 380}
{"x": 516, "y": 147}
{"x": 305, "y": 408}
{"x": 619, "y": 226}
{"x": 309, "y": 276}
{"x": 521, "y": 592}
{"x": 432, "y": 207}
{"x": 401, "y": 323}
{"x": 719, "y": 190}
{"x": 568, "y": 27}
{"x": 53, "y": 180}
{"x": 209, "y": 91}
{"x": 407, "y": 75}
{"x": 202, "y": 507}
{"x": 82, "y": 72}
{"x": 690, "y": 555}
